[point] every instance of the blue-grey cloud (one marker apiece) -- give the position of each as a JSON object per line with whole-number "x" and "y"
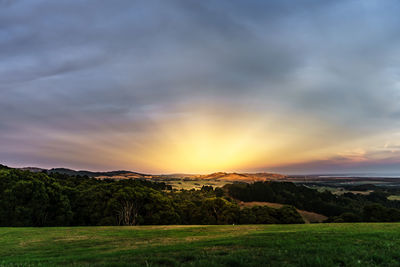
{"x": 86, "y": 66}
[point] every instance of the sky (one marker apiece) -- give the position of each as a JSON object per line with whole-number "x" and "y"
{"x": 190, "y": 86}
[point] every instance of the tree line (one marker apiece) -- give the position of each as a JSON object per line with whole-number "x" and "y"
{"x": 349, "y": 207}
{"x": 54, "y": 199}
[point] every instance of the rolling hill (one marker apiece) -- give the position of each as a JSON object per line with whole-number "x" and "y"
{"x": 121, "y": 174}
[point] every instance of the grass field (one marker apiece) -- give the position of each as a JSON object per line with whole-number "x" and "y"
{"x": 194, "y": 184}
{"x": 257, "y": 245}
{"x": 394, "y": 197}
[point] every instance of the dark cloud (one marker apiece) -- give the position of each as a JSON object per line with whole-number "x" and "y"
{"x": 76, "y": 67}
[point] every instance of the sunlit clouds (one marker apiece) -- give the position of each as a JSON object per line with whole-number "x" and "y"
{"x": 201, "y": 86}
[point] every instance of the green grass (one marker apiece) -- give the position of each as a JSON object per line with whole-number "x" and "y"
{"x": 394, "y": 197}
{"x": 257, "y": 245}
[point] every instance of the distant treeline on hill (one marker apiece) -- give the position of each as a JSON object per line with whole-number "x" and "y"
{"x": 54, "y": 199}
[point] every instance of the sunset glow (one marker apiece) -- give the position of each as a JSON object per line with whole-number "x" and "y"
{"x": 197, "y": 87}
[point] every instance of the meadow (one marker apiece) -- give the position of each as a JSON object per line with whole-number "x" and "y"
{"x": 355, "y": 244}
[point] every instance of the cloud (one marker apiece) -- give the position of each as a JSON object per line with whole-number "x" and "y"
{"x": 76, "y": 69}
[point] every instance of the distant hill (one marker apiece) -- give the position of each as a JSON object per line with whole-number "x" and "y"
{"x": 4, "y": 167}
{"x": 244, "y": 177}
{"x": 96, "y": 174}
{"x": 121, "y": 174}
{"x": 32, "y": 169}
{"x": 109, "y": 174}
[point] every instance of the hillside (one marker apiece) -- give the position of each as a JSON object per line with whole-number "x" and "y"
{"x": 242, "y": 177}
{"x": 121, "y": 174}
{"x": 97, "y": 174}
{"x": 362, "y": 244}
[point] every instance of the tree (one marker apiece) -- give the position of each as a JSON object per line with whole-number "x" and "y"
{"x": 126, "y": 204}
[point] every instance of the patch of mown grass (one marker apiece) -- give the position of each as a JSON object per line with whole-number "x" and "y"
{"x": 248, "y": 245}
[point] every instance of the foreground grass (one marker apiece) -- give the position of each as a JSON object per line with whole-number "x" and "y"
{"x": 256, "y": 245}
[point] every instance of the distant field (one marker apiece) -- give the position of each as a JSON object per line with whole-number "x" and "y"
{"x": 257, "y": 245}
{"x": 340, "y": 191}
{"x": 394, "y": 197}
{"x": 177, "y": 183}
{"x": 194, "y": 184}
